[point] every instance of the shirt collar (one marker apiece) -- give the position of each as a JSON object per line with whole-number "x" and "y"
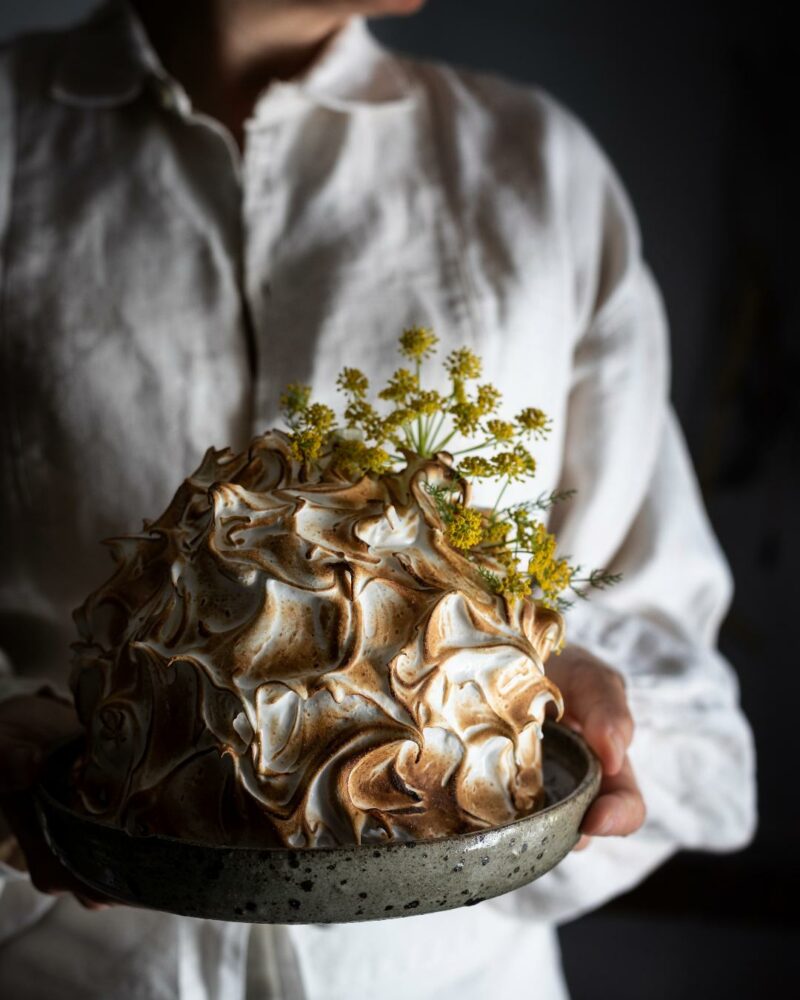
{"x": 107, "y": 60}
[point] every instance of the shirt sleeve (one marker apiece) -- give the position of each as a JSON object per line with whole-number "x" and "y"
{"x": 638, "y": 511}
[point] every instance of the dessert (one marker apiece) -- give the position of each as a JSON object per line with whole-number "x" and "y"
{"x": 319, "y": 643}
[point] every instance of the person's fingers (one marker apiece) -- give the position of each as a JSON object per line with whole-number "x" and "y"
{"x": 596, "y": 705}
{"x": 46, "y": 872}
{"x": 91, "y": 904}
{"x": 31, "y": 726}
{"x": 619, "y": 809}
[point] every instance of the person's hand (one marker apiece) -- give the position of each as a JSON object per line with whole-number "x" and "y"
{"x": 596, "y": 706}
{"x": 30, "y": 727}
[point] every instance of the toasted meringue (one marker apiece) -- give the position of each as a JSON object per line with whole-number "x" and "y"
{"x": 307, "y": 664}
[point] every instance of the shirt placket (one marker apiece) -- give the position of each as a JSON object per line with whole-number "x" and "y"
{"x": 267, "y": 182}
{"x": 174, "y": 99}
{"x": 261, "y": 183}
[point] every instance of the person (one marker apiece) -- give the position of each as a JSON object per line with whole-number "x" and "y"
{"x": 201, "y": 202}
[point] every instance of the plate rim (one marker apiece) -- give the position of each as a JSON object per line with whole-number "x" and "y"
{"x": 48, "y": 800}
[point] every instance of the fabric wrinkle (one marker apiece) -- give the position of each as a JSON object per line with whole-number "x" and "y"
{"x": 157, "y": 296}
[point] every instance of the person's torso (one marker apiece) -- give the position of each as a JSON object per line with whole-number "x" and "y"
{"x": 158, "y": 292}
{"x": 157, "y": 296}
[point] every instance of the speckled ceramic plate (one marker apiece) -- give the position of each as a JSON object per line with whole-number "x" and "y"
{"x": 325, "y": 885}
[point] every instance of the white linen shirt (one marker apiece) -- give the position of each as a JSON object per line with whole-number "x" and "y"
{"x": 158, "y": 291}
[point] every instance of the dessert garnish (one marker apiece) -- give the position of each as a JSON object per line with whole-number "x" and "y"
{"x": 321, "y": 641}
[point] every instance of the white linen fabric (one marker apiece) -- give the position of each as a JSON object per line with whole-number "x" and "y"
{"x": 159, "y": 289}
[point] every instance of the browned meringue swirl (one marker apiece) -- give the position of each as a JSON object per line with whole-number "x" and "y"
{"x": 281, "y": 662}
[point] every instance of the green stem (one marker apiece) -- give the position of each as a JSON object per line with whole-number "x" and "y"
{"x": 419, "y": 418}
{"x": 506, "y": 510}
{"x": 430, "y": 436}
{"x": 500, "y": 495}
{"x": 475, "y": 447}
{"x": 440, "y": 445}
{"x": 426, "y": 435}
{"x": 435, "y": 446}
{"x": 496, "y": 545}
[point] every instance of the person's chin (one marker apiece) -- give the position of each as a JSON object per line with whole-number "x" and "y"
{"x": 398, "y": 7}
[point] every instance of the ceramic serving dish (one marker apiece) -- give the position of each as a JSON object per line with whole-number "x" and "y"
{"x": 324, "y": 885}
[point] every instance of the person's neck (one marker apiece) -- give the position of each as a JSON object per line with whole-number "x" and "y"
{"x": 226, "y": 52}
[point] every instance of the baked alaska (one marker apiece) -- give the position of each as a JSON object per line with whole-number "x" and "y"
{"x": 293, "y": 657}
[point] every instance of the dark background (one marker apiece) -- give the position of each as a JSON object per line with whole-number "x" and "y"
{"x": 697, "y": 108}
